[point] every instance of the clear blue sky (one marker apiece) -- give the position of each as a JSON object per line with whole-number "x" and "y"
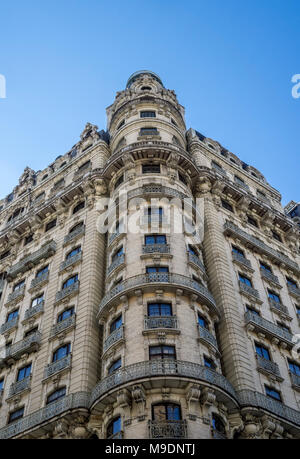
{"x": 230, "y": 63}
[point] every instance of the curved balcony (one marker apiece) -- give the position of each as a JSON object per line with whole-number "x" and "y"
{"x": 115, "y": 337}
{"x": 60, "y": 365}
{"x": 207, "y": 337}
{"x": 268, "y": 328}
{"x": 169, "y": 322}
{"x": 167, "y": 429}
{"x": 119, "y": 261}
{"x": 161, "y": 368}
{"x": 147, "y": 281}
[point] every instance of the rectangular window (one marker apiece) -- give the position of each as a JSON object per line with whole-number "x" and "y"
{"x": 155, "y": 239}
{"x": 162, "y": 352}
{"x": 245, "y": 280}
{"x": 119, "y": 181}
{"x": 24, "y": 372}
{"x": 294, "y": 368}
{"x": 115, "y": 366}
{"x": 262, "y": 351}
{"x": 157, "y": 269}
{"x": 12, "y": 315}
{"x": 84, "y": 166}
{"x": 151, "y": 168}
{"x": 274, "y": 296}
{"x": 265, "y": 267}
{"x": 227, "y": 206}
{"x": 19, "y": 285}
{"x": 42, "y": 271}
{"x": 148, "y": 114}
{"x": 116, "y": 324}
{"x": 272, "y": 393}
{"x": 65, "y": 314}
{"x": 70, "y": 281}
{"x": 15, "y": 415}
{"x": 238, "y": 251}
{"x": 37, "y": 300}
{"x": 182, "y": 178}
{"x": 252, "y": 221}
{"x": 62, "y": 352}
{"x": 284, "y": 327}
{"x": 209, "y": 363}
{"x": 149, "y": 131}
{"x": 60, "y": 393}
{"x": 28, "y": 239}
{"x": 117, "y": 254}
{"x": 31, "y": 332}
{"x": 159, "y": 309}
{"x": 50, "y": 225}
{"x": 239, "y": 180}
{"x": 248, "y": 308}
{"x": 1, "y": 384}
{"x": 276, "y": 236}
{"x": 291, "y": 282}
{"x": 202, "y": 322}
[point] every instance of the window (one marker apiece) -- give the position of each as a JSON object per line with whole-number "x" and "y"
{"x": 61, "y": 352}
{"x": 148, "y": 114}
{"x": 79, "y": 206}
{"x": 24, "y": 372}
{"x": 238, "y": 251}
{"x": 19, "y": 285}
{"x": 76, "y": 227}
{"x": 65, "y": 314}
{"x": 202, "y": 321}
{"x": 218, "y": 424}
{"x": 119, "y": 181}
{"x": 1, "y": 384}
{"x": 4, "y": 255}
{"x": 159, "y": 309}
{"x": 162, "y": 352}
{"x": 121, "y": 124}
{"x": 28, "y": 239}
{"x": 192, "y": 250}
{"x": 44, "y": 178}
{"x": 262, "y": 351}
{"x": 146, "y": 88}
{"x": 291, "y": 282}
{"x": 39, "y": 299}
{"x": 155, "y": 239}
{"x": 227, "y": 206}
{"x": 153, "y": 211}
{"x": 73, "y": 252}
{"x": 217, "y": 166}
{"x": 73, "y": 153}
{"x": 50, "y": 225}
{"x": 115, "y": 366}
{"x": 15, "y": 415}
{"x": 151, "y": 168}
{"x": 252, "y": 221}
{"x": 273, "y": 393}
{"x": 284, "y": 327}
{"x": 239, "y": 180}
{"x": 149, "y": 131}
{"x": 166, "y": 412}
{"x": 117, "y": 254}
{"x": 84, "y": 166}
{"x": 265, "y": 267}
{"x": 116, "y": 324}
{"x": 42, "y": 271}
{"x": 273, "y": 296}
{"x": 174, "y": 122}
{"x": 182, "y": 178}
{"x": 40, "y": 196}
{"x": 12, "y": 315}
{"x": 209, "y": 363}
{"x": 114, "y": 427}
{"x": 70, "y": 281}
{"x": 59, "y": 393}
{"x": 245, "y": 280}
{"x": 276, "y": 236}
{"x": 157, "y": 269}
{"x": 252, "y": 310}
{"x": 30, "y": 332}
{"x": 294, "y": 368}
{"x": 298, "y": 311}
{"x": 196, "y": 279}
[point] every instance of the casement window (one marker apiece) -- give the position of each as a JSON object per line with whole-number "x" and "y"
{"x": 50, "y": 225}
{"x": 273, "y": 393}
{"x": 238, "y": 251}
{"x": 119, "y": 181}
{"x": 162, "y": 352}
{"x": 227, "y": 206}
{"x": 209, "y": 363}
{"x": 42, "y": 271}
{"x": 78, "y": 207}
{"x": 151, "y": 168}
{"x": 73, "y": 253}
{"x": 59, "y": 393}
{"x": 19, "y": 285}
{"x": 273, "y": 296}
{"x": 117, "y": 254}
{"x": 39, "y": 299}
{"x": 15, "y": 415}
{"x": 202, "y": 321}
{"x": 115, "y": 366}
{"x": 265, "y": 267}
{"x": 245, "y": 280}
{"x": 291, "y": 282}
{"x": 114, "y": 427}
{"x": 294, "y": 368}
{"x": 166, "y": 412}
{"x": 262, "y": 351}
{"x": 70, "y": 281}
{"x": 116, "y": 324}
{"x": 66, "y": 314}
{"x": 147, "y": 114}
{"x": 155, "y": 239}
{"x": 61, "y": 352}
{"x": 24, "y": 372}
{"x": 157, "y": 269}
{"x": 12, "y": 315}
{"x": 252, "y": 221}
{"x": 159, "y": 309}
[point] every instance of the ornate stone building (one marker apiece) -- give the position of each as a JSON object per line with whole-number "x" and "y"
{"x": 147, "y": 331}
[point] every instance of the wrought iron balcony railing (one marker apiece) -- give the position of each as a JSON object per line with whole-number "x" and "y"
{"x": 26, "y": 345}
{"x": 207, "y": 337}
{"x": 74, "y": 234}
{"x": 295, "y": 291}
{"x": 295, "y": 380}
{"x": 248, "y": 290}
{"x": 9, "y": 325}
{"x": 63, "y": 325}
{"x": 19, "y": 386}
{"x": 116, "y": 263}
{"x": 40, "y": 280}
{"x": 15, "y": 296}
{"x": 70, "y": 261}
{"x": 167, "y": 429}
{"x": 32, "y": 260}
{"x": 278, "y": 307}
{"x": 115, "y": 337}
{"x": 35, "y": 310}
{"x": 241, "y": 260}
{"x": 161, "y": 322}
{"x": 270, "y": 277}
{"x": 159, "y": 278}
{"x": 156, "y": 248}
{"x": 71, "y": 290}
{"x": 251, "y": 241}
{"x": 56, "y": 367}
{"x": 268, "y": 328}
{"x": 267, "y": 366}
{"x": 196, "y": 260}
{"x": 161, "y": 368}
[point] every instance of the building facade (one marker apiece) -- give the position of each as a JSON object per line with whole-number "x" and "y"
{"x": 180, "y": 321}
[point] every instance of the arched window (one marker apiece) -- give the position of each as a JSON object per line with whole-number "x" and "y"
{"x": 70, "y": 281}
{"x": 114, "y": 428}
{"x": 115, "y": 366}
{"x": 61, "y": 352}
{"x": 78, "y": 207}
{"x": 166, "y": 412}
{"x": 218, "y": 426}
{"x": 73, "y": 253}
{"x": 146, "y": 88}
{"x": 56, "y": 395}
{"x": 76, "y": 227}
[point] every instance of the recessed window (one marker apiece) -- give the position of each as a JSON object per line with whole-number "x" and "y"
{"x": 24, "y": 372}
{"x": 202, "y": 321}
{"x": 148, "y": 114}
{"x": 116, "y": 324}
{"x": 159, "y": 309}
{"x": 42, "y": 271}
{"x": 115, "y": 366}
{"x": 174, "y": 122}
{"x": 50, "y": 225}
{"x": 182, "y": 178}
{"x": 1, "y": 384}
{"x": 252, "y": 310}
{"x": 66, "y": 314}
{"x": 40, "y": 196}
{"x": 117, "y": 254}
{"x": 15, "y": 415}
{"x": 276, "y": 236}
{"x": 121, "y": 124}
{"x": 146, "y": 88}
{"x": 298, "y": 311}
{"x": 284, "y": 327}
{"x": 10, "y": 197}
{"x": 59, "y": 393}
{"x": 44, "y": 178}
{"x": 218, "y": 424}
{"x": 227, "y": 206}
{"x": 151, "y": 168}
{"x": 84, "y": 166}
{"x": 4, "y": 255}
{"x": 262, "y": 351}
{"x": 273, "y": 393}
{"x": 61, "y": 352}
{"x": 78, "y": 207}
{"x": 294, "y": 368}
{"x": 38, "y": 300}
{"x": 238, "y": 251}
{"x": 31, "y": 332}
{"x": 73, "y": 253}
{"x": 245, "y": 280}
{"x": 28, "y": 239}
{"x": 149, "y": 131}
{"x": 252, "y": 221}
{"x": 209, "y": 363}
{"x": 76, "y": 227}
{"x": 238, "y": 180}
{"x": 157, "y": 269}
{"x": 155, "y": 239}
{"x": 19, "y": 285}
{"x": 113, "y": 428}
{"x": 291, "y": 282}
{"x": 273, "y": 296}
{"x": 59, "y": 183}
{"x": 72, "y": 280}
{"x": 119, "y": 181}
{"x": 217, "y": 166}
{"x": 192, "y": 250}
{"x": 162, "y": 352}
{"x": 265, "y": 267}
{"x": 12, "y": 315}
{"x": 166, "y": 412}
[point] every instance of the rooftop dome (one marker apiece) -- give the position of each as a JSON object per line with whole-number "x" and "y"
{"x": 137, "y": 74}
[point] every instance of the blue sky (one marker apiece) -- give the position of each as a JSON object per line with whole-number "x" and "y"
{"x": 230, "y": 63}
